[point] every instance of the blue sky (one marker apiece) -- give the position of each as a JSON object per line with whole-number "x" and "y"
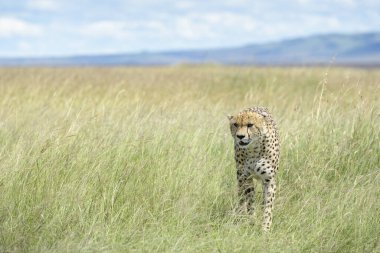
{"x": 72, "y": 27}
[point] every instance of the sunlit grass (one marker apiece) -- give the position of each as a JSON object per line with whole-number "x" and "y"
{"x": 140, "y": 159}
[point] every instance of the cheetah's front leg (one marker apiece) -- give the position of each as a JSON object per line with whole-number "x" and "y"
{"x": 269, "y": 195}
{"x": 246, "y": 193}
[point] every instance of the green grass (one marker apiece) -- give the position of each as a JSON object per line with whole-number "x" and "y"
{"x": 141, "y": 159}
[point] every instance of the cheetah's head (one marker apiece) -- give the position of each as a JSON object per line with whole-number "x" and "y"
{"x": 246, "y": 127}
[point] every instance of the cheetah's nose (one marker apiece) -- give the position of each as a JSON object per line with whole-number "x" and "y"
{"x": 240, "y": 136}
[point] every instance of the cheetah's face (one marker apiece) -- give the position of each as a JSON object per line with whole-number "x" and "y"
{"x": 246, "y": 127}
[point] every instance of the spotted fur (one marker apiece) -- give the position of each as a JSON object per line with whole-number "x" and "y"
{"x": 257, "y": 150}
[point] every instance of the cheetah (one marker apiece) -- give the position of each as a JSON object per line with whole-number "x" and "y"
{"x": 257, "y": 151}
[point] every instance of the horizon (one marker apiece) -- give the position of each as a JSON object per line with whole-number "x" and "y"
{"x": 185, "y": 49}
{"x": 54, "y": 28}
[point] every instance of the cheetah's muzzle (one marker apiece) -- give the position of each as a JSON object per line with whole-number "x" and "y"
{"x": 242, "y": 143}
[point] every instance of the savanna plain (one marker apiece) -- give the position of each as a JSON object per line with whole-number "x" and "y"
{"x": 141, "y": 159}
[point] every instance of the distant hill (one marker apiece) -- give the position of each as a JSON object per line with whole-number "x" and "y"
{"x": 338, "y": 49}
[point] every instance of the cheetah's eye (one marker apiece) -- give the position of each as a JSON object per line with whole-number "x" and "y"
{"x": 249, "y": 125}
{"x": 236, "y": 124}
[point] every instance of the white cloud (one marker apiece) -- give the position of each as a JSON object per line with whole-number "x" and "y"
{"x": 124, "y": 29}
{"x": 154, "y": 26}
{"x": 13, "y": 27}
{"x": 348, "y": 3}
{"x": 47, "y": 5}
{"x": 303, "y": 2}
{"x": 184, "y": 5}
{"x": 193, "y": 29}
{"x": 106, "y": 28}
{"x": 315, "y": 22}
{"x": 212, "y": 24}
{"x": 24, "y": 46}
{"x": 229, "y": 20}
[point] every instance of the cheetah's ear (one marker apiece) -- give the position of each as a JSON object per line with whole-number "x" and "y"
{"x": 230, "y": 117}
{"x": 265, "y": 114}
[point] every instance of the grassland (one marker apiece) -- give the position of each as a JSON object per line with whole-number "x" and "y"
{"x": 140, "y": 159}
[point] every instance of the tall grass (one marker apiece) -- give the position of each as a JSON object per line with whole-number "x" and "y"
{"x": 140, "y": 159}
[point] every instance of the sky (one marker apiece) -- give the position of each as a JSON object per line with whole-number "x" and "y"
{"x": 40, "y": 28}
